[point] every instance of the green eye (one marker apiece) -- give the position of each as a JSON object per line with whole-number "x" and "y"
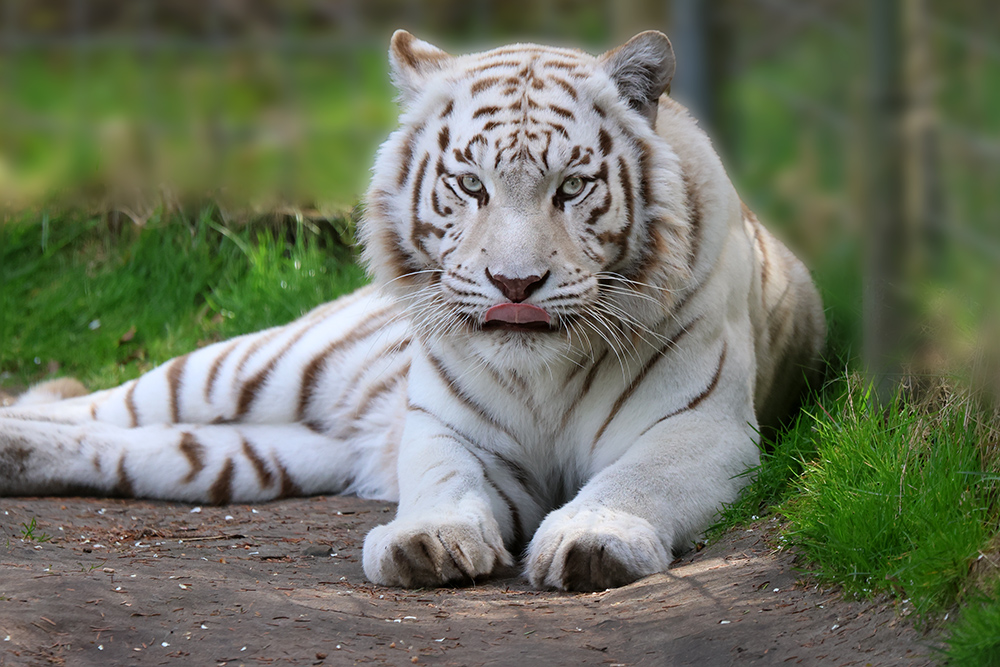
{"x": 471, "y": 184}
{"x": 571, "y": 187}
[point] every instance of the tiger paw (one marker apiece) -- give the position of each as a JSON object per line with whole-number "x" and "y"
{"x": 590, "y": 550}
{"x": 417, "y": 553}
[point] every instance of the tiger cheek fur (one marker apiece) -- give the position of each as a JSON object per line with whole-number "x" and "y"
{"x": 574, "y": 333}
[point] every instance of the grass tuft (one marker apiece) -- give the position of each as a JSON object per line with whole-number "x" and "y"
{"x": 81, "y": 298}
{"x": 974, "y": 639}
{"x": 895, "y": 500}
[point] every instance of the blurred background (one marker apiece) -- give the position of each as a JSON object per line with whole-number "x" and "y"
{"x": 866, "y": 133}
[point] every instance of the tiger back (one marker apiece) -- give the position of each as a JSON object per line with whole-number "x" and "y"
{"x": 574, "y": 333}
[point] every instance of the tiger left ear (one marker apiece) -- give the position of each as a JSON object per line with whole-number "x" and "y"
{"x": 413, "y": 61}
{"x": 642, "y": 69}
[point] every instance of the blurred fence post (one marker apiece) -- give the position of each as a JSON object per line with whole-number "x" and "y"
{"x": 702, "y": 41}
{"x": 690, "y": 35}
{"x": 886, "y": 233}
{"x": 901, "y": 163}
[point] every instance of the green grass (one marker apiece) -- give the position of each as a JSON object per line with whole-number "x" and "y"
{"x": 254, "y": 128}
{"x": 880, "y": 501}
{"x": 28, "y": 532}
{"x": 974, "y": 638}
{"x": 79, "y": 298}
{"x": 894, "y": 500}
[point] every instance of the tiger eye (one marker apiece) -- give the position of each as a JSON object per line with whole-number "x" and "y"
{"x": 572, "y": 186}
{"x": 471, "y": 184}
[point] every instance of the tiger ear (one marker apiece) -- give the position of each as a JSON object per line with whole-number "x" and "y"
{"x": 642, "y": 69}
{"x": 413, "y": 61}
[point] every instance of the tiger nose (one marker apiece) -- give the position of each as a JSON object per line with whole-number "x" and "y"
{"x": 517, "y": 289}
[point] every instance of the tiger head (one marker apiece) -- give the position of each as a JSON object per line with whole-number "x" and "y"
{"x": 526, "y": 193}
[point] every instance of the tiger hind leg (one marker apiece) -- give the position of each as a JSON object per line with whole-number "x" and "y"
{"x": 196, "y": 463}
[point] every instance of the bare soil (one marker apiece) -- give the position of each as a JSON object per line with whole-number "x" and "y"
{"x": 122, "y": 582}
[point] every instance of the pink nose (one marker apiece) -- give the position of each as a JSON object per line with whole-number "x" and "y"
{"x": 516, "y": 289}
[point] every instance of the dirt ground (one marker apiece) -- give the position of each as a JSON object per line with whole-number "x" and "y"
{"x": 115, "y": 582}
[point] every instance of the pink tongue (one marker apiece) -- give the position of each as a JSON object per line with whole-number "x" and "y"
{"x": 516, "y": 313}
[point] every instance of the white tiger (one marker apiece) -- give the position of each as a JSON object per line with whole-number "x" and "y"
{"x": 574, "y": 331}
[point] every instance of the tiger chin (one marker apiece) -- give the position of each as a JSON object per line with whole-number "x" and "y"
{"x": 574, "y": 335}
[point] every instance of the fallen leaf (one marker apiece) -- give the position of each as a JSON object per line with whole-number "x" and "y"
{"x": 127, "y": 336}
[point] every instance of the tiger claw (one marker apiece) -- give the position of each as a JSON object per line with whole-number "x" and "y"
{"x": 415, "y": 554}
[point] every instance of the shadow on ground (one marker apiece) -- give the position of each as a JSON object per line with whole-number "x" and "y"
{"x": 135, "y": 582}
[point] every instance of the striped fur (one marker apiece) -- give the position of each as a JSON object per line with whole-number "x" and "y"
{"x": 575, "y": 331}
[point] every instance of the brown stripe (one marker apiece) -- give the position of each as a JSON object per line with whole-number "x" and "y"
{"x": 447, "y": 109}
{"x": 518, "y": 389}
{"x": 494, "y": 65}
{"x": 483, "y": 84}
{"x": 485, "y": 111}
{"x": 349, "y": 389}
{"x": 645, "y": 181}
{"x": 249, "y": 389}
{"x": 621, "y": 237}
{"x": 289, "y": 489}
{"x": 130, "y": 404}
{"x": 625, "y": 395}
{"x": 315, "y": 425}
{"x": 124, "y": 486}
{"x": 262, "y": 339}
{"x": 515, "y": 515}
{"x": 221, "y": 491}
{"x": 584, "y": 388}
{"x": 518, "y": 49}
{"x": 213, "y": 371}
{"x": 565, "y": 85}
{"x": 376, "y": 390}
{"x": 694, "y": 219}
{"x": 418, "y": 228}
{"x": 93, "y": 411}
{"x": 406, "y": 155}
{"x": 465, "y": 399}
{"x": 413, "y": 407}
{"x": 560, "y": 111}
{"x": 311, "y": 373}
{"x": 605, "y": 142}
{"x": 444, "y": 136}
{"x": 560, "y": 64}
{"x": 765, "y": 261}
{"x": 653, "y": 251}
{"x": 694, "y": 402}
{"x": 194, "y": 452}
{"x": 598, "y": 211}
{"x": 264, "y": 477}
{"x": 174, "y": 374}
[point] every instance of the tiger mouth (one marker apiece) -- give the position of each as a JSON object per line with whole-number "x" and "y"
{"x": 531, "y": 327}
{"x": 523, "y": 317}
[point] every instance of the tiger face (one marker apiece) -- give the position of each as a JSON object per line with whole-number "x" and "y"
{"x": 522, "y": 197}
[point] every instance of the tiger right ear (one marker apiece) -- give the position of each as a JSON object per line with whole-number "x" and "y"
{"x": 642, "y": 69}
{"x": 413, "y": 61}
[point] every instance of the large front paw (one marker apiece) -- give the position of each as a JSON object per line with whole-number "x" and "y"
{"x": 590, "y": 550}
{"x": 426, "y": 552}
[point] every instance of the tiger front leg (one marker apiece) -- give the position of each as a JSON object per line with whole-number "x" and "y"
{"x": 451, "y": 523}
{"x": 629, "y": 518}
